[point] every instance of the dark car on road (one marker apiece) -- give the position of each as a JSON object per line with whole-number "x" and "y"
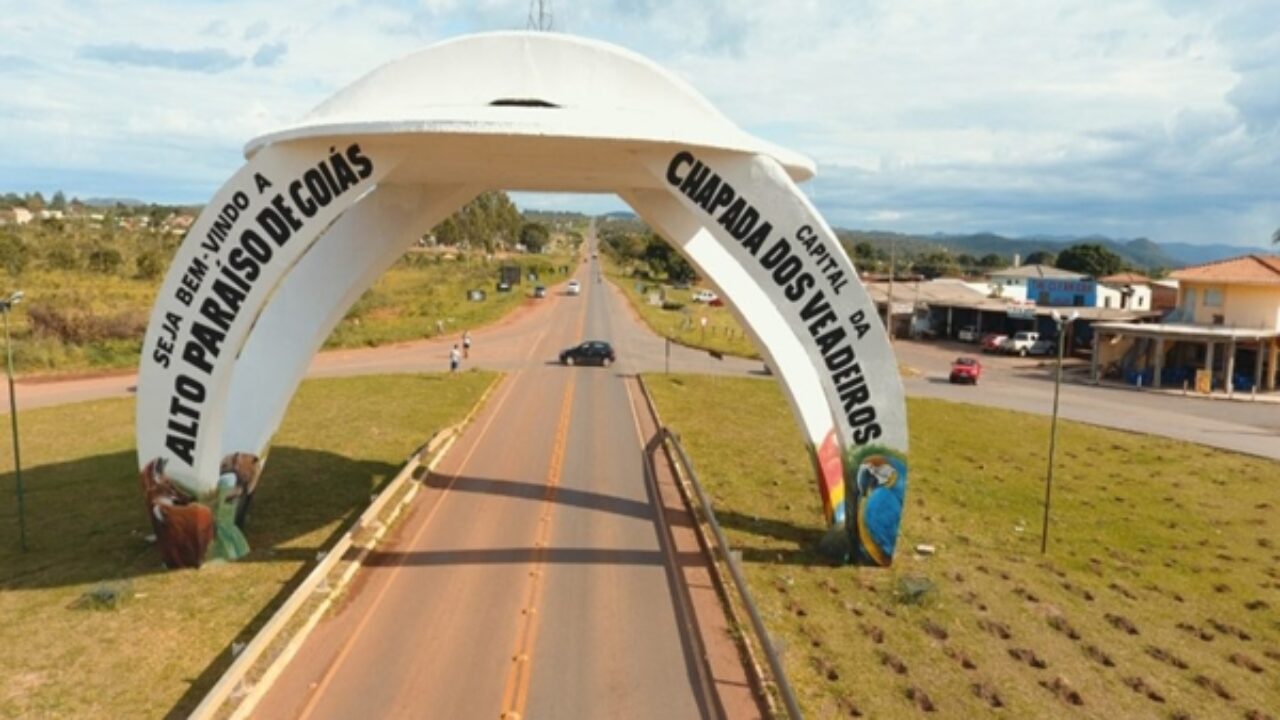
{"x": 540, "y": 292}
{"x": 966, "y": 370}
{"x": 592, "y": 352}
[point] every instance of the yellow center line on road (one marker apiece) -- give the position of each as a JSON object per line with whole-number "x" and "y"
{"x": 331, "y": 671}
{"x": 515, "y": 694}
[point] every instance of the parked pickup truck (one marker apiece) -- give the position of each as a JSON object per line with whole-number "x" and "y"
{"x": 1027, "y": 343}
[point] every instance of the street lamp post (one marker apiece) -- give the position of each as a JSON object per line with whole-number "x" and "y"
{"x": 5, "y": 306}
{"x": 1064, "y": 325}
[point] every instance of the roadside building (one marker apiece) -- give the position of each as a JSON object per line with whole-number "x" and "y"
{"x": 15, "y": 216}
{"x": 952, "y": 309}
{"x": 1164, "y": 294}
{"x": 1131, "y": 291}
{"x": 1226, "y": 326}
{"x": 1013, "y": 282}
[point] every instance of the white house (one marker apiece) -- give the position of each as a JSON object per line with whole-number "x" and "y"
{"x": 1012, "y": 282}
{"x": 1127, "y": 291}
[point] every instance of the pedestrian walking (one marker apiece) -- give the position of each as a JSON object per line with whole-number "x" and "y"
{"x": 455, "y": 359}
{"x": 466, "y": 343}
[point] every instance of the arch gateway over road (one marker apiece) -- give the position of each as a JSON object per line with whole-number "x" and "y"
{"x": 322, "y": 208}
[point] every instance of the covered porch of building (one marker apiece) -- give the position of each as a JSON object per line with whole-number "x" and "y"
{"x": 1155, "y": 356}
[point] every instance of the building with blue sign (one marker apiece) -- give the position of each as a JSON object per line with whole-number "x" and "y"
{"x": 1063, "y": 292}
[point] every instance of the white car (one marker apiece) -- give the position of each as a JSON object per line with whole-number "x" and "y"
{"x": 704, "y": 296}
{"x": 574, "y": 288}
{"x": 1027, "y": 343}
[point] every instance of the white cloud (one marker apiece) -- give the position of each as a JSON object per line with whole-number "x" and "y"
{"x": 1144, "y": 117}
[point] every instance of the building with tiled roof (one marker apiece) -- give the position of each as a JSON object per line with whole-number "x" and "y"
{"x": 1243, "y": 270}
{"x": 1227, "y": 323}
{"x": 1125, "y": 278}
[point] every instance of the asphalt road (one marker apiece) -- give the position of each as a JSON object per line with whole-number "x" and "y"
{"x": 533, "y": 578}
{"x": 1027, "y": 385}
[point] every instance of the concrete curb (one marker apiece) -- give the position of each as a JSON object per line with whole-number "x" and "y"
{"x": 232, "y": 685}
{"x": 759, "y": 677}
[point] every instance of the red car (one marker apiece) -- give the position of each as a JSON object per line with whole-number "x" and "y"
{"x": 966, "y": 370}
{"x": 991, "y": 341}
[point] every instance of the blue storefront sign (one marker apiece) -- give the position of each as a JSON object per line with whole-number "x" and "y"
{"x": 1057, "y": 292}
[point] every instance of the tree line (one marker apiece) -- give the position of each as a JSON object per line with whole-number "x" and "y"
{"x": 631, "y": 243}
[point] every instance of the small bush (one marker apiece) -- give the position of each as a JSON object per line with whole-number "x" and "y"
{"x": 61, "y": 255}
{"x": 149, "y": 265}
{"x": 105, "y": 596}
{"x": 914, "y": 590}
{"x": 105, "y": 260}
{"x": 79, "y": 327}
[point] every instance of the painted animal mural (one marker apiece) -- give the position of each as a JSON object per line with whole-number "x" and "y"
{"x": 191, "y": 530}
{"x": 183, "y": 526}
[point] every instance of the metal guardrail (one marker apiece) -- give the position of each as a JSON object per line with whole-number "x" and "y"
{"x": 739, "y": 582}
{"x": 232, "y": 681}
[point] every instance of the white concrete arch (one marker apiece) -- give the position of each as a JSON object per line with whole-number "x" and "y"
{"x": 323, "y": 207}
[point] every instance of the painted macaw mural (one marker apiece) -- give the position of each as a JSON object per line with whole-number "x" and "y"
{"x": 863, "y": 493}
{"x": 876, "y": 477}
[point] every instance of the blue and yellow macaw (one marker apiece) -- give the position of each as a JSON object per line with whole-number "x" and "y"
{"x": 878, "y": 490}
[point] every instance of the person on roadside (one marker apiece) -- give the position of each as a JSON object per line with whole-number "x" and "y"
{"x": 455, "y": 359}
{"x": 466, "y": 343}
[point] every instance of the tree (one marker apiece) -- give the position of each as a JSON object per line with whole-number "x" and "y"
{"x": 665, "y": 261}
{"x": 14, "y": 253}
{"x": 1090, "y": 259}
{"x": 1041, "y": 257}
{"x": 993, "y": 261}
{"x": 534, "y": 236}
{"x": 935, "y": 264}
{"x": 59, "y": 201}
{"x": 1275, "y": 237}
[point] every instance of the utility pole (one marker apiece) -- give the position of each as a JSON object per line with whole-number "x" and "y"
{"x": 888, "y": 305}
{"x": 1064, "y": 327}
{"x": 541, "y": 16}
{"x": 6, "y": 305}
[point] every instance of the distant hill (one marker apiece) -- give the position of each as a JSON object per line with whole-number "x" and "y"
{"x": 1139, "y": 252}
{"x": 110, "y": 202}
{"x": 1189, "y": 254}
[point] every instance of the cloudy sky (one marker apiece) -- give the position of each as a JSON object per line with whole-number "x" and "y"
{"x": 1156, "y": 118}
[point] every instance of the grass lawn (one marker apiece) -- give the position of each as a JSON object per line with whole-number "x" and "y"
{"x": 1159, "y": 597}
{"x": 684, "y": 326}
{"x": 164, "y": 646}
